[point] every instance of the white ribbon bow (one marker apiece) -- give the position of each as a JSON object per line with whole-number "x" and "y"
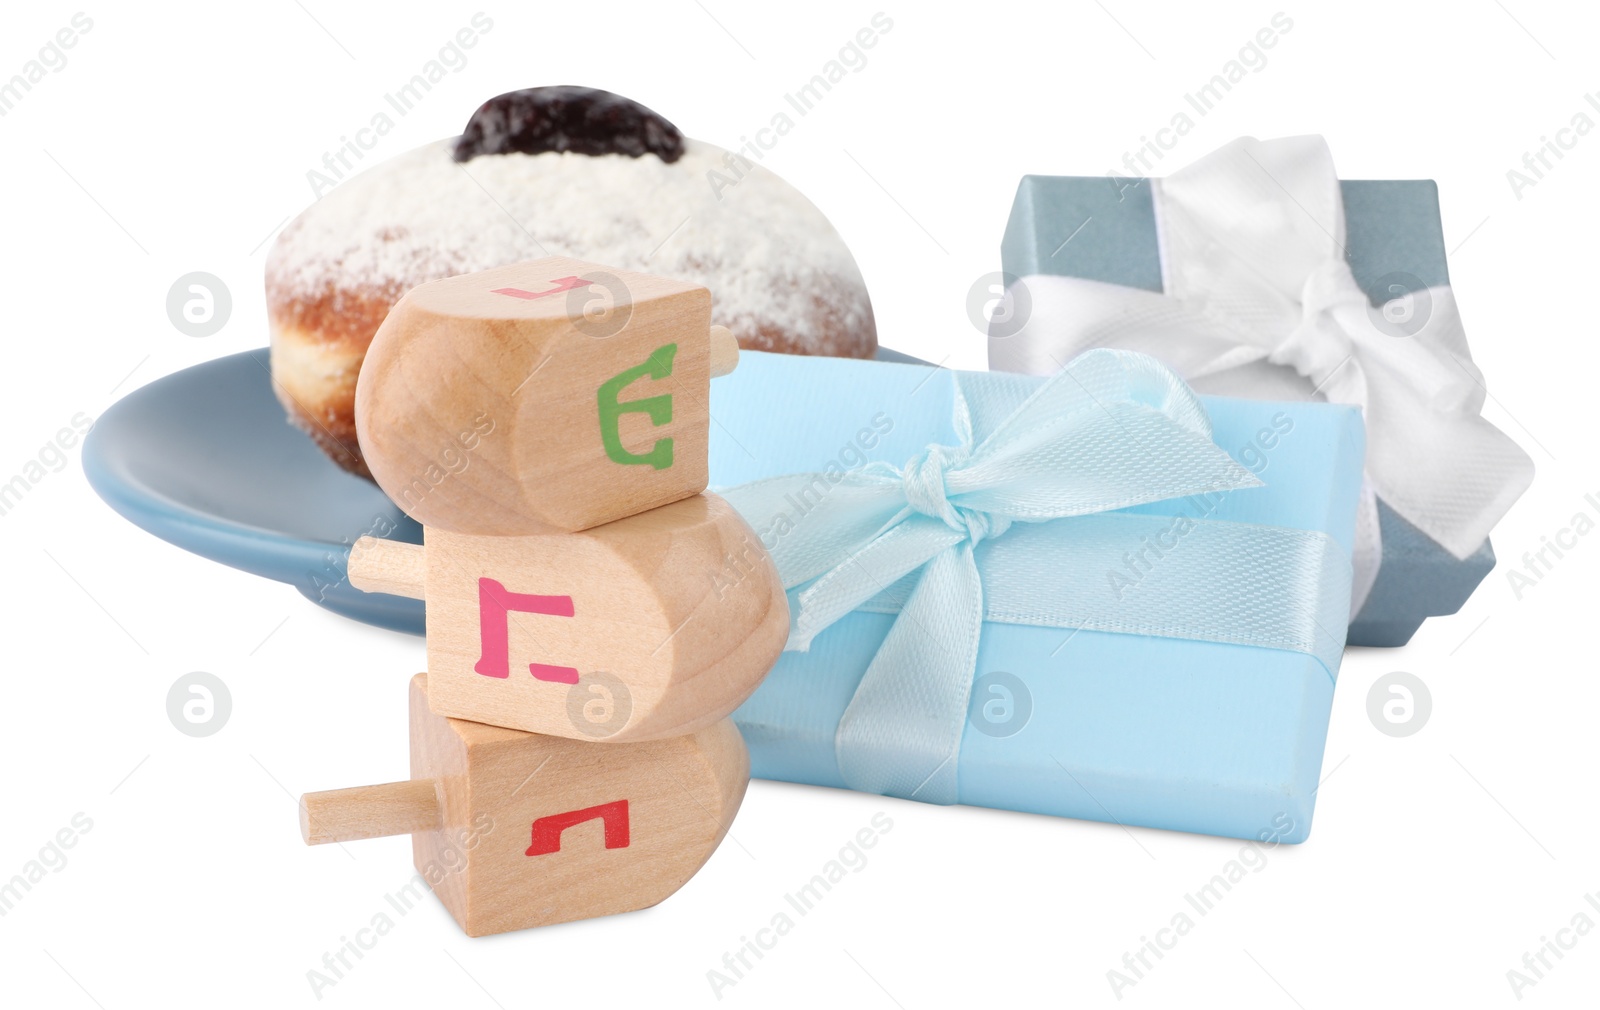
{"x": 1259, "y": 302}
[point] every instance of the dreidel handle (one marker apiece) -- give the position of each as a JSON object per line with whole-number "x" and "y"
{"x": 388, "y": 566}
{"x": 394, "y": 808}
{"x": 724, "y": 351}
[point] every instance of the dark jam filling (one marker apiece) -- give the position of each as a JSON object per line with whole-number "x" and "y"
{"x": 567, "y": 118}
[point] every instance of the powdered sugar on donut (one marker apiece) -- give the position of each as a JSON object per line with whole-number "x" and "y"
{"x": 766, "y": 253}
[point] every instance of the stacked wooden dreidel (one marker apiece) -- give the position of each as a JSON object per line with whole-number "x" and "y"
{"x": 593, "y": 615}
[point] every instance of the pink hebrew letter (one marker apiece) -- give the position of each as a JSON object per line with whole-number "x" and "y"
{"x": 560, "y": 284}
{"x": 494, "y": 602}
{"x": 547, "y": 830}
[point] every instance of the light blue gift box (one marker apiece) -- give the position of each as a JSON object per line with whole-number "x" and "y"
{"x": 1394, "y": 235}
{"x": 1171, "y": 733}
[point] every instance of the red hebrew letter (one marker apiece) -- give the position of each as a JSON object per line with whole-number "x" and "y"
{"x": 547, "y": 830}
{"x": 494, "y": 601}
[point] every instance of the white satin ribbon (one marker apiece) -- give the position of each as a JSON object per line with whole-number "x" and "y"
{"x": 1259, "y": 302}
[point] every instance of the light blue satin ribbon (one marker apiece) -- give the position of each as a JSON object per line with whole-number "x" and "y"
{"x": 934, "y": 542}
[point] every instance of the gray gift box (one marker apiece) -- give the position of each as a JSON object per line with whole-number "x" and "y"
{"x": 1104, "y": 229}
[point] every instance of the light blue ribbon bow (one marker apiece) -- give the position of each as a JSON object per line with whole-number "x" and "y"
{"x": 1112, "y": 430}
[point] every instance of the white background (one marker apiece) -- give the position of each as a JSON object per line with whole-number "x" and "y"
{"x": 178, "y": 139}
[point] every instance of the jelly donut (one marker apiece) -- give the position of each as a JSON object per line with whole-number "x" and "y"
{"x": 555, "y": 171}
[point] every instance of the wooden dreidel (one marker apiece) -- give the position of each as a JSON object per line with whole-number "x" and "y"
{"x": 513, "y": 830}
{"x": 546, "y": 396}
{"x": 578, "y": 581}
{"x": 648, "y": 627}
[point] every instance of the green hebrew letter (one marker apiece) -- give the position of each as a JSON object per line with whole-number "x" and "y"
{"x": 659, "y": 408}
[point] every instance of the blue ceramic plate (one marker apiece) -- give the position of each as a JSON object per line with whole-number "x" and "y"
{"x": 205, "y": 459}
